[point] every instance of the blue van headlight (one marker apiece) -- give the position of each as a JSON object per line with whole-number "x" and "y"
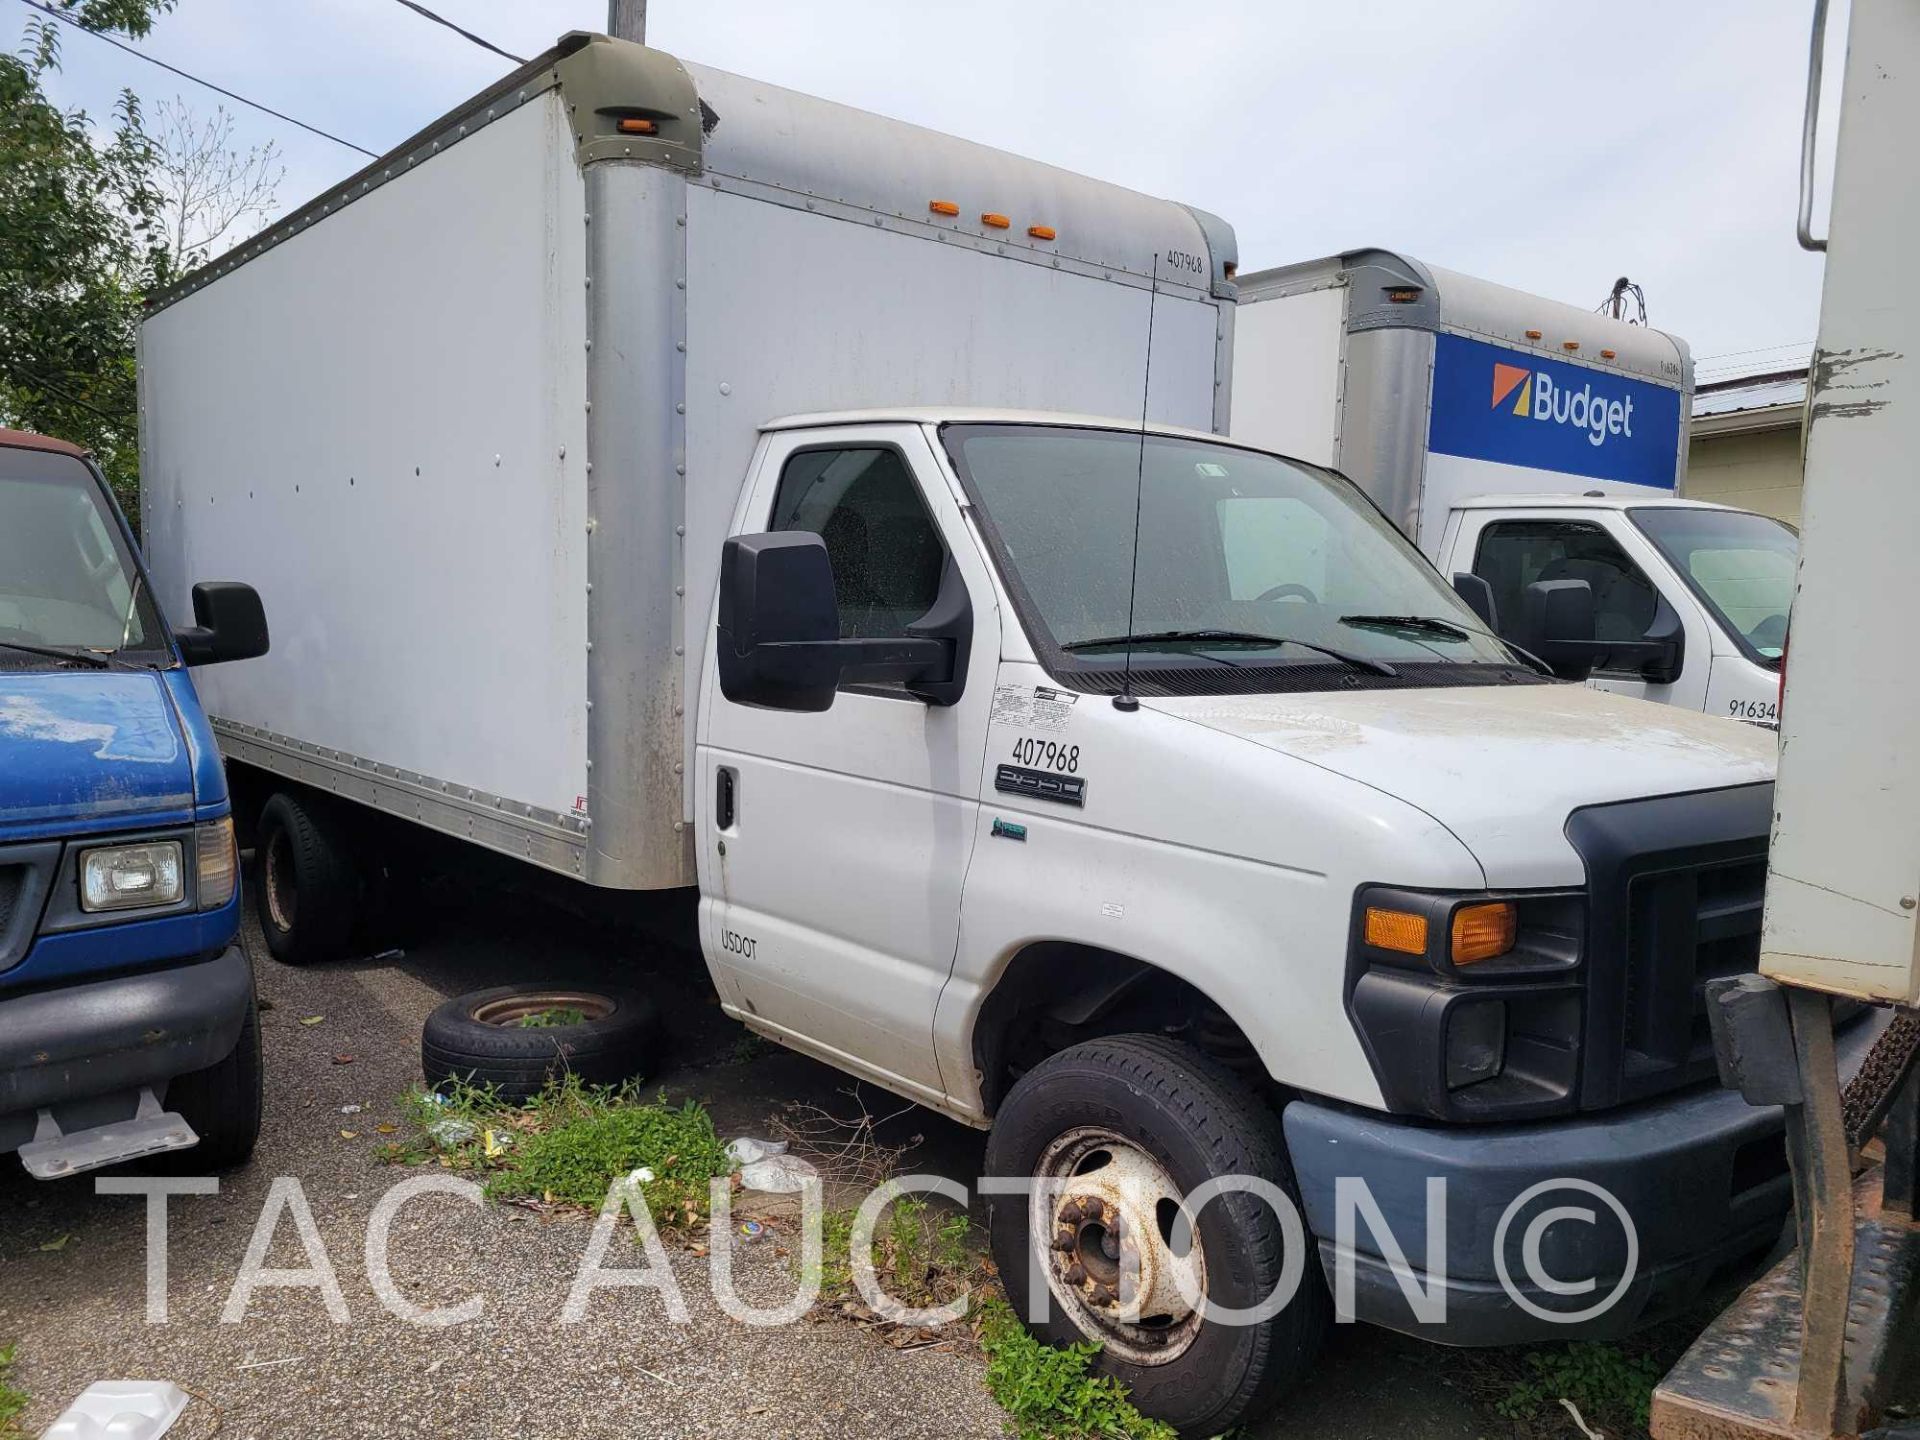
{"x": 132, "y": 877}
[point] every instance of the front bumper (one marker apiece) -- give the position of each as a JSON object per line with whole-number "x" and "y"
{"x": 1702, "y": 1177}
{"x": 74, "y": 1046}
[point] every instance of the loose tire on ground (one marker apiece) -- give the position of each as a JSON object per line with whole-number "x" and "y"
{"x": 1164, "y": 1110}
{"x": 222, "y": 1103}
{"x": 476, "y": 1039}
{"x": 306, "y": 890}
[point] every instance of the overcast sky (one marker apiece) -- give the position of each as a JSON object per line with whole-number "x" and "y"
{"x": 1550, "y": 146}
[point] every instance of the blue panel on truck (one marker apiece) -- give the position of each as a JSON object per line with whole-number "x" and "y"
{"x": 87, "y": 750}
{"x": 1520, "y": 408}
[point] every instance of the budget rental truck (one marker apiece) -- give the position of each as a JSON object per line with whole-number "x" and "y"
{"x": 127, "y": 1025}
{"x": 670, "y": 482}
{"x": 1517, "y": 439}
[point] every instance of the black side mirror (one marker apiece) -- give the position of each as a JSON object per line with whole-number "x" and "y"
{"x": 1558, "y": 625}
{"x": 229, "y": 624}
{"x": 1662, "y": 651}
{"x": 778, "y": 641}
{"x": 1479, "y": 597}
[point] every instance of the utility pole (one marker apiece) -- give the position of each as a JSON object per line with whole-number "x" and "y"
{"x": 627, "y": 20}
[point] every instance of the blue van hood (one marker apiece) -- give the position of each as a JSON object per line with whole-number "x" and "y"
{"x": 89, "y": 750}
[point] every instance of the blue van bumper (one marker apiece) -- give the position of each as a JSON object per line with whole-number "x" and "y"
{"x": 1702, "y": 1176}
{"x": 105, "y": 1038}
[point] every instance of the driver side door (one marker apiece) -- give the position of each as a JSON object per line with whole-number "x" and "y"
{"x": 833, "y": 845}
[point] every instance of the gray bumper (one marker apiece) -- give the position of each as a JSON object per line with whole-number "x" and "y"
{"x": 81, "y": 1042}
{"x": 1702, "y": 1176}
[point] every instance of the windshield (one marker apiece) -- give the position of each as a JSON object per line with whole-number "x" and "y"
{"x": 1741, "y": 566}
{"x": 1240, "y": 552}
{"x": 66, "y": 579}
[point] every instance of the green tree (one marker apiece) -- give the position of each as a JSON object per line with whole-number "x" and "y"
{"x": 81, "y": 241}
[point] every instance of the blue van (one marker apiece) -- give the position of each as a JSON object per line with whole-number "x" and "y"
{"x": 128, "y": 1026}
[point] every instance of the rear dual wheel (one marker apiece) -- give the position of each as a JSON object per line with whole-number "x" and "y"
{"x": 1125, "y": 1128}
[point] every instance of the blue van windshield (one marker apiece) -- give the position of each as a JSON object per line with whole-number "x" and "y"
{"x": 67, "y": 581}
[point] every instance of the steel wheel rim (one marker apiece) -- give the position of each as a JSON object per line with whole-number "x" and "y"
{"x": 282, "y": 906}
{"x": 1108, "y": 1223}
{"x": 510, "y": 1010}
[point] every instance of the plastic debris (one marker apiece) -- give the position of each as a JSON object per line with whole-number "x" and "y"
{"x": 120, "y": 1410}
{"x": 766, "y": 1166}
{"x": 642, "y": 1176}
{"x": 450, "y": 1133}
{"x": 351, "y": 1109}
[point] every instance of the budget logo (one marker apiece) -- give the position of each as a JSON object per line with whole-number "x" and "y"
{"x": 1507, "y": 379}
{"x": 1536, "y": 396}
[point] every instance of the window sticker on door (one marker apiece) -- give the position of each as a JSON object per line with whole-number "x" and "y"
{"x": 1038, "y": 707}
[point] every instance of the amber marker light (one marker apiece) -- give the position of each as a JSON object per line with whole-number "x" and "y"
{"x": 1481, "y": 932}
{"x": 1400, "y": 930}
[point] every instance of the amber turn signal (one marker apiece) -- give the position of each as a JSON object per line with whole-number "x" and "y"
{"x": 633, "y": 125}
{"x": 1397, "y": 930}
{"x": 1480, "y": 932}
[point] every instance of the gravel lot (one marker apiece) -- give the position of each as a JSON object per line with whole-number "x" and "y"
{"x": 73, "y": 1264}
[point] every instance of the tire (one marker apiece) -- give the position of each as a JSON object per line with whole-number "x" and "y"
{"x": 474, "y": 1039}
{"x": 223, "y": 1104}
{"x": 1166, "y": 1107}
{"x": 306, "y": 891}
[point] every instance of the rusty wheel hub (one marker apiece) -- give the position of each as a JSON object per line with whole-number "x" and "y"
{"x": 1122, "y": 1257}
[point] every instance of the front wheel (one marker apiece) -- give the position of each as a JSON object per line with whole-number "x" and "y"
{"x": 1122, "y": 1130}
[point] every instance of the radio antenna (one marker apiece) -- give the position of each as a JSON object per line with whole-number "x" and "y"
{"x": 1126, "y": 699}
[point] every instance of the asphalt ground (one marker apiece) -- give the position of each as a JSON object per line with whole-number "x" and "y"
{"x": 73, "y": 1264}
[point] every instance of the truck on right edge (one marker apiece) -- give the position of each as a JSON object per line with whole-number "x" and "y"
{"x": 673, "y": 483}
{"x": 1517, "y": 439}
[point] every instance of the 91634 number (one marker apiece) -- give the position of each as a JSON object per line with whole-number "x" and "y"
{"x": 1760, "y": 712}
{"x": 1047, "y": 755}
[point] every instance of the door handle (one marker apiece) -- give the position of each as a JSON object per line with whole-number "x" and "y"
{"x": 726, "y": 790}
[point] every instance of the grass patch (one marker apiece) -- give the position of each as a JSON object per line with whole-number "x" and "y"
{"x": 1051, "y": 1394}
{"x": 566, "y": 1146}
{"x": 1611, "y": 1387}
{"x": 13, "y": 1400}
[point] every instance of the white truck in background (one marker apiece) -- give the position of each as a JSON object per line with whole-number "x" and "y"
{"x": 1522, "y": 440}
{"x": 1024, "y": 762}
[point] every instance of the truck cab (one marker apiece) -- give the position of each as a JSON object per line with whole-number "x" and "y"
{"x": 1712, "y": 584}
{"x": 127, "y": 1014}
{"x": 1517, "y": 439}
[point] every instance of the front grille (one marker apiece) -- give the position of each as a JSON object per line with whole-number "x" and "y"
{"x": 1684, "y": 928}
{"x": 25, "y": 873}
{"x": 1675, "y": 889}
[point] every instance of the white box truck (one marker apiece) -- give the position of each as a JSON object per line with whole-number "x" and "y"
{"x": 1140, "y": 794}
{"x": 1518, "y": 439}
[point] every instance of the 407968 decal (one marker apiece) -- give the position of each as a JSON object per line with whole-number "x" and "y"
{"x": 1047, "y": 755}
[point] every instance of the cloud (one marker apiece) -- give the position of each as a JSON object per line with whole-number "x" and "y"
{"x": 1550, "y": 147}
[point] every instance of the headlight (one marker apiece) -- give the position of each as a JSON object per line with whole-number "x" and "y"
{"x": 1469, "y": 1005}
{"x": 132, "y": 877}
{"x": 217, "y": 867}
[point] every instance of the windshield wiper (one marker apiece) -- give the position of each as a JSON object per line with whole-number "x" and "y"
{"x": 1237, "y": 637}
{"x": 54, "y": 652}
{"x": 1434, "y": 625}
{"x": 1430, "y": 624}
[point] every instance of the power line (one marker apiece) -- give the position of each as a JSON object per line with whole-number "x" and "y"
{"x": 466, "y": 34}
{"x": 176, "y": 70}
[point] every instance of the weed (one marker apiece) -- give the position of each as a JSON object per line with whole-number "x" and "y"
{"x": 569, "y": 1143}
{"x": 13, "y": 1400}
{"x": 750, "y": 1047}
{"x": 551, "y": 1018}
{"x": 1050, "y": 1394}
{"x": 1611, "y": 1386}
{"x": 921, "y": 1256}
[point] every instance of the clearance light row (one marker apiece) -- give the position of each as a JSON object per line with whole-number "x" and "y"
{"x": 1408, "y": 296}
{"x": 991, "y": 220}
